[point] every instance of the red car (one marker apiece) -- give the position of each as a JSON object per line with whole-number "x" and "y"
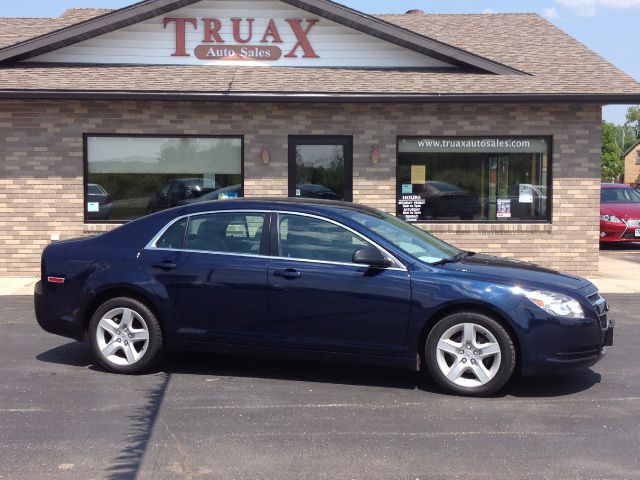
{"x": 619, "y": 213}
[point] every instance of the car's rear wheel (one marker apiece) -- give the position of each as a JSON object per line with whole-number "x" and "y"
{"x": 469, "y": 353}
{"x": 125, "y": 336}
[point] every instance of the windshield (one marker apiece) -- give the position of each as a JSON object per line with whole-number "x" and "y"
{"x": 619, "y": 195}
{"x": 411, "y": 240}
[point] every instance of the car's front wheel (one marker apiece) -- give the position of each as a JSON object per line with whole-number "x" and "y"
{"x": 125, "y": 336}
{"x": 469, "y": 353}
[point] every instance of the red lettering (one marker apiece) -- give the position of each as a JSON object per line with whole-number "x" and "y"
{"x": 212, "y": 28}
{"x": 272, "y": 31}
{"x": 181, "y": 29}
{"x": 236, "y": 30}
{"x": 302, "y": 37}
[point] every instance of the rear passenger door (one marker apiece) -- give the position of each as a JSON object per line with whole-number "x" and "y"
{"x": 216, "y": 283}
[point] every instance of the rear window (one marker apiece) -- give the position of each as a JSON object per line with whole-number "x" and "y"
{"x": 173, "y": 238}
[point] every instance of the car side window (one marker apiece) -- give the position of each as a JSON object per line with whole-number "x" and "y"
{"x": 225, "y": 232}
{"x": 310, "y": 238}
{"x": 173, "y": 238}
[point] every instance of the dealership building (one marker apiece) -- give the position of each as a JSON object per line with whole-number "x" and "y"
{"x": 482, "y": 129}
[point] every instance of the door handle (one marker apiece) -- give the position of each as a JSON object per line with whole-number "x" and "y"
{"x": 289, "y": 274}
{"x": 166, "y": 265}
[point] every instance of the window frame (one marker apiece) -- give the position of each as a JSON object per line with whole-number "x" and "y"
{"x": 85, "y": 164}
{"x": 274, "y": 251}
{"x": 547, "y": 138}
{"x": 638, "y": 157}
{"x": 345, "y": 140}
{"x": 265, "y": 246}
{"x": 270, "y": 241}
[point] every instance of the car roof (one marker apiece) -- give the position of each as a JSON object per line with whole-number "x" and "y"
{"x": 275, "y": 203}
{"x": 615, "y": 185}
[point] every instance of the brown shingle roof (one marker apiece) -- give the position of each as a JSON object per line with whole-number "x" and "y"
{"x": 558, "y": 64}
{"x": 16, "y": 30}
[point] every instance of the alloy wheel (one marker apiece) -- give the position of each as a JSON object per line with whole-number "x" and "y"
{"x": 122, "y": 336}
{"x": 468, "y": 355}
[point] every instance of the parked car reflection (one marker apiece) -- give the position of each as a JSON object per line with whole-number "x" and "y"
{"x": 176, "y": 190}
{"x": 98, "y": 195}
{"x": 312, "y": 190}
{"x": 232, "y": 191}
{"x": 447, "y": 200}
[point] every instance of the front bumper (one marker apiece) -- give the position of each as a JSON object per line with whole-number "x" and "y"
{"x": 618, "y": 232}
{"x": 555, "y": 345}
{"x": 578, "y": 359}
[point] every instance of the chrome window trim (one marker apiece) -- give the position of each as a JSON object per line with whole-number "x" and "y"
{"x": 269, "y": 257}
{"x": 394, "y": 260}
{"x": 152, "y": 244}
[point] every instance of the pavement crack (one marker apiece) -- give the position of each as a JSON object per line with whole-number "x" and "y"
{"x": 187, "y": 469}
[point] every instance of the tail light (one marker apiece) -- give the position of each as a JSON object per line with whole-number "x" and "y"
{"x": 108, "y": 199}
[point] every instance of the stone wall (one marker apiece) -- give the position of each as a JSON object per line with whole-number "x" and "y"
{"x": 41, "y": 175}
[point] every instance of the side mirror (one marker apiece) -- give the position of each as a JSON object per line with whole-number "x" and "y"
{"x": 372, "y": 257}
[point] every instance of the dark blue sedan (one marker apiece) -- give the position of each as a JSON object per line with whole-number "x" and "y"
{"x": 316, "y": 279}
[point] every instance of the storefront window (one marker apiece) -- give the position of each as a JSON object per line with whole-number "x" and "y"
{"x": 473, "y": 179}
{"x": 131, "y": 176}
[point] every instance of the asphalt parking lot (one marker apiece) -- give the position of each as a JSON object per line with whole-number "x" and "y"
{"x": 211, "y": 416}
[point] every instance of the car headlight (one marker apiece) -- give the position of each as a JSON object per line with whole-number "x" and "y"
{"x": 556, "y": 304}
{"x": 610, "y": 218}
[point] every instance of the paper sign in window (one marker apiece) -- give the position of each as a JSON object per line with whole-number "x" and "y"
{"x": 504, "y": 208}
{"x": 526, "y": 193}
{"x": 418, "y": 174}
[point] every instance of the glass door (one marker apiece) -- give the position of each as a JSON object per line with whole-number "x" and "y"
{"x": 321, "y": 167}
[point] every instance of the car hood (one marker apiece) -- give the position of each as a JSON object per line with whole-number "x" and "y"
{"x": 625, "y": 211}
{"x": 515, "y": 272}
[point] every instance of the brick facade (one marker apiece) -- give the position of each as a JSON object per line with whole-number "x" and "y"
{"x": 41, "y": 175}
{"x": 632, "y": 166}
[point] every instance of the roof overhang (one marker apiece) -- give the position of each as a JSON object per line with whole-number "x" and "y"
{"x": 292, "y": 97}
{"x": 324, "y": 8}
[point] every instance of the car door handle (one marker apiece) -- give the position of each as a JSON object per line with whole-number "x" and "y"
{"x": 166, "y": 265}
{"x": 289, "y": 274}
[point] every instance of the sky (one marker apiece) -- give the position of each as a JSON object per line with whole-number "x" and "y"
{"x": 609, "y": 27}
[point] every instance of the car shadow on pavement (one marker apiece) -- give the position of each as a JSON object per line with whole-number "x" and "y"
{"x": 226, "y": 365}
{"x": 620, "y": 247}
{"x": 229, "y": 365}
{"x": 348, "y": 374}
{"x": 553, "y": 385}
{"x": 75, "y": 354}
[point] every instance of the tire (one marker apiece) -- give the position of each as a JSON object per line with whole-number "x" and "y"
{"x": 488, "y": 356}
{"x": 125, "y": 336}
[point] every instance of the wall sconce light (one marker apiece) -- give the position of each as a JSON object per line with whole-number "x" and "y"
{"x": 375, "y": 154}
{"x": 265, "y": 155}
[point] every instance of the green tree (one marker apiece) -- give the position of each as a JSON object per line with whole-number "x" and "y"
{"x": 633, "y": 119}
{"x": 612, "y": 163}
{"x": 628, "y": 136}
